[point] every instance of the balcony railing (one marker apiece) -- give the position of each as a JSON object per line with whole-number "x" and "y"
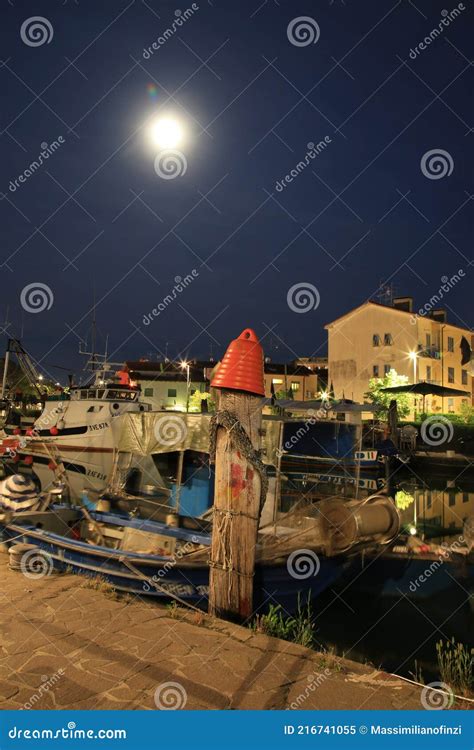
{"x": 433, "y": 352}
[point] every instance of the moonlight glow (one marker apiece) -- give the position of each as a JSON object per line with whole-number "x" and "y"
{"x": 167, "y": 133}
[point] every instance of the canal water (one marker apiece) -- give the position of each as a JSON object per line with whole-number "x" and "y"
{"x": 374, "y": 617}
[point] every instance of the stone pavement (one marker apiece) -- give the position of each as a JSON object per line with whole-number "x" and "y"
{"x": 67, "y": 645}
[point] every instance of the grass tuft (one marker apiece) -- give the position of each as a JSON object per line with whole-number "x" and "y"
{"x": 298, "y": 629}
{"x": 456, "y": 666}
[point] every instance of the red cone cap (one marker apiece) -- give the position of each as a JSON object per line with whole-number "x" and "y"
{"x": 241, "y": 368}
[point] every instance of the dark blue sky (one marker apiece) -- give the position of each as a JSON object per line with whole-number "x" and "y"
{"x": 250, "y": 101}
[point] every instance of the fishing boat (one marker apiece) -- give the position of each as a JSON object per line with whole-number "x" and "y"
{"x": 328, "y": 435}
{"x": 302, "y": 554}
{"x": 76, "y": 429}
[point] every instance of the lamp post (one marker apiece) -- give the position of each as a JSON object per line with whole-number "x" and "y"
{"x": 414, "y": 356}
{"x": 185, "y": 366}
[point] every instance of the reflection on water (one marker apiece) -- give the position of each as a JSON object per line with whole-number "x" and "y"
{"x": 433, "y": 507}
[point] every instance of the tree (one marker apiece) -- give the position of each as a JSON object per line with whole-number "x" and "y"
{"x": 382, "y": 400}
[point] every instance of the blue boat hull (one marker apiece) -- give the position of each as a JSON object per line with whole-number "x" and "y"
{"x": 164, "y": 578}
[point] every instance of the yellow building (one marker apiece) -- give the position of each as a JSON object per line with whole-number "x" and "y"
{"x": 373, "y": 338}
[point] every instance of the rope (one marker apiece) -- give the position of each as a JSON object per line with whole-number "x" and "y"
{"x": 241, "y": 441}
{"x": 435, "y": 690}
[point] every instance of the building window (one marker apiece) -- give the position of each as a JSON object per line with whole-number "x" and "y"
{"x": 171, "y": 392}
{"x": 386, "y": 369}
{"x": 375, "y": 371}
{"x": 465, "y": 497}
{"x": 450, "y": 374}
{"x": 464, "y": 377}
{"x": 375, "y": 340}
{"x": 452, "y": 497}
{"x": 148, "y": 392}
{"x": 387, "y": 339}
{"x": 277, "y": 381}
{"x": 451, "y": 405}
{"x": 450, "y": 344}
{"x": 428, "y": 340}
{"x": 428, "y": 372}
{"x": 295, "y": 386}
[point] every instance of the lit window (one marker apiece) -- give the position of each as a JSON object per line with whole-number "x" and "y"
{"x": 375, "y": 340}
{"x": 277, "y": 381}
{"x": 295, "y": 386}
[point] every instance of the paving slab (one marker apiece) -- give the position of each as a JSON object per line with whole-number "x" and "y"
{"x": 66, "y": 645}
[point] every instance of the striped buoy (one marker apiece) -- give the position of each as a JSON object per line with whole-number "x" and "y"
{"x": 18, "y": 493}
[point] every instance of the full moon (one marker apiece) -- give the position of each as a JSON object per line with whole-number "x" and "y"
{"x": 167, "y": 132}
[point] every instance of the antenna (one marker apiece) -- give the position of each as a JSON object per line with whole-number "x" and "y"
{"x": 94, "y": 331}
{"x": 385, "y": 293}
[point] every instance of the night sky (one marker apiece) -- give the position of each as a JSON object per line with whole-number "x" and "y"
{"x": 97, "y": 218}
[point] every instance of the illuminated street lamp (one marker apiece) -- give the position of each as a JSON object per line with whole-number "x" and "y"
{"x": 414, "y": 356}
{"x": 185, "y": 366}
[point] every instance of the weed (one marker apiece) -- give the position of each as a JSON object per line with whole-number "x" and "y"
{"x": 98, "y": 583}
{"x": 298, "y": 629}
{"x": 173, "y": 610}
{"x": 456, "y": 665}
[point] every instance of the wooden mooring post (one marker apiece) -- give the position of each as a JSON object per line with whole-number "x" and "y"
{"x": 240, "y": 478}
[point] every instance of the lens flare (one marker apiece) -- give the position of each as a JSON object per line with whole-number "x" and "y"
{"x": 152, "y": 91}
